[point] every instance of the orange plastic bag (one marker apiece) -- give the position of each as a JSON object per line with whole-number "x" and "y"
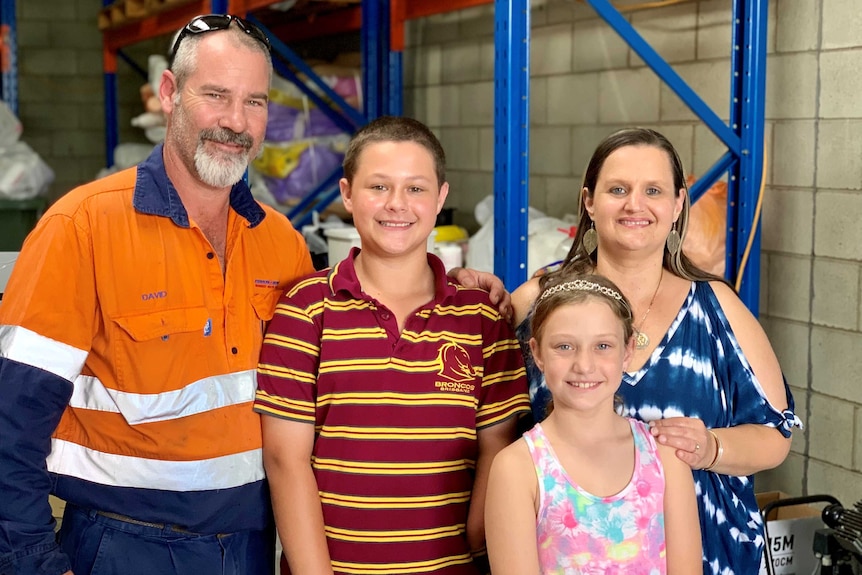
{"x": 707, "y": 229}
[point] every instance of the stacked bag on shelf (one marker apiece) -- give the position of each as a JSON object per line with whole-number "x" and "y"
{"x": 23, "y": 173}
{"x": 303, "y": 145}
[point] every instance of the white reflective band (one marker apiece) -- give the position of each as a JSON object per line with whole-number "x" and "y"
{"x": 202, "y": 395}
{"x": 224, "y": 472}
{"x": 28, "y": 347}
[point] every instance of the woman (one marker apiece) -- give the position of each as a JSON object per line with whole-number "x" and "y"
{"x": 703, "y": 372}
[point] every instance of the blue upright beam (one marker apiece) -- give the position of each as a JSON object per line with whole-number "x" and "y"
{"x": 9, "y": 37}
{"x": 372, "y": 71}
{"x": 395, "y": 100}
{"x": 511, "y": 139}
{"x": 747, "y": 118}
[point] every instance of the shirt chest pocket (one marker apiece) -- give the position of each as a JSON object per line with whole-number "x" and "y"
{"x": 161, "y": 351}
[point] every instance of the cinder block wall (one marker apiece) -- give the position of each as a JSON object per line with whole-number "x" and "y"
{"x": 61, "y": 88}
{"x": 586, "y": 82}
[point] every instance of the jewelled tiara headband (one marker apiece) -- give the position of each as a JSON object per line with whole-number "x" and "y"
{"x": 581, "y": 285}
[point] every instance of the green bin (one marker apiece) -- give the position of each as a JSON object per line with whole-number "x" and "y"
{"x": 17, "y": 218}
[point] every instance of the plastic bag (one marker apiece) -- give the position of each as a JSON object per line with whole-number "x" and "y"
{"x": 707, "y": 230}
{"x": 549, "y": 239}
{"x": 23, "y": 174}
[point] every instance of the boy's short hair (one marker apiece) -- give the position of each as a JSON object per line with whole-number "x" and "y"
{"x": 394, "y": 129}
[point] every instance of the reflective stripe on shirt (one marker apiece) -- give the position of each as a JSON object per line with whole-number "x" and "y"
{"x": 203, "y": 395}
{"x": 125, "y": 471}
{"x": 28, "y": 347}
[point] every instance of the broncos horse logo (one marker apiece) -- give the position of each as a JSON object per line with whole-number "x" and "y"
{"x": 455, "y": 363}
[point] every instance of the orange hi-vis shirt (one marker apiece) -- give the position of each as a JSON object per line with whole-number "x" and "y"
{"x": 117, "y": 293}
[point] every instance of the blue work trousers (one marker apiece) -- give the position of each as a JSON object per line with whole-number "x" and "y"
{"x": 100, "y": 545}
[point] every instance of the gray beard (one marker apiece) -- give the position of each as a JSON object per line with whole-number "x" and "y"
{"x": 221, "y": 170}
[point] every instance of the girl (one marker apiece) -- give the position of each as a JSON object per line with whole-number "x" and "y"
{"x": 587, "y": 490}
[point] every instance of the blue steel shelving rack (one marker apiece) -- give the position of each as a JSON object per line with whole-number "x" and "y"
{"x": 382, "y": 48}
{"x": 9, "y": 45}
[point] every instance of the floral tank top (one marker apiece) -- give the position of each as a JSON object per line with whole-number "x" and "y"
{"x": 581, "y": 534}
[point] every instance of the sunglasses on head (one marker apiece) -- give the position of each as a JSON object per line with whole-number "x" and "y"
{"x": 214, "y": 22}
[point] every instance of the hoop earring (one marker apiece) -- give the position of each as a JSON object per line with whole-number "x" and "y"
{"x": 673, "y": 240}
{"x": 591, "y": 238}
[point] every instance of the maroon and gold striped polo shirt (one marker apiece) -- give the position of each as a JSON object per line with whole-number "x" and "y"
{"x": 396, "y": 415}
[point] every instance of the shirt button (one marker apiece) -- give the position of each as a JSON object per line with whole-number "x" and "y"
{"x": 210, "y": 255}
{"x": 234, "y": 350}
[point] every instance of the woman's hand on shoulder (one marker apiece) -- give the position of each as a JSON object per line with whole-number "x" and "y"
{"x": 687, "y": 437}
{"x": 754, "y": 343}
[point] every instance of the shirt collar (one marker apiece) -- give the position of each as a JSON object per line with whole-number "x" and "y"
{"x": 342, "y": 276}
{"x": 155, "y": 194}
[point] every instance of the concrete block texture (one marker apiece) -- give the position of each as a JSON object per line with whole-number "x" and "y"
{"x": 628, "y": 97}
{"x": 713, "y": 30}
{"x": 789, "y": 340}
{"x": 857, "y": 442}
{"x": 837, "y": 232}
{"x": 834, "y": 370}
{"x": 32, "y": 34}
{"x": 596, "y": 46}
{"x": 551, "y": 50}
{"x": 562, "y": 195}
{"x": 550, "y": 150}
{"x": 47, "y": 62}
{"x": 791, "y": 82}
{"x": 839, "y": 154}
{"x": 789, "y": 287}
{"x": 671, "y": 31}
{"x": 422, "y": 65}
{"x": 840, "y": 84}
{"x": 50, "y": 10}
{"x": 842, "y": 20}
{"x": 539, "y": 102}
{"x": 836, "y": 293}
{"x": 461, "y": 62}
{"x": 796, "y": 26}
{"x": 710, "y": 79}
{"x": 830, "y": 430}
{"x": 792, "y": 153}
{"x": 476, "y": 21}
{"x": 476, "y": 104}
{"x": 572, "y": 99}
{"x": 838, "y": 481}
{"x": 787, "y": 477}
{"x": 462, "y": 147}
{"x": 787, "y": 221}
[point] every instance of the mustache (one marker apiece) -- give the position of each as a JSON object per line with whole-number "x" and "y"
{"x": 227, "y": 136}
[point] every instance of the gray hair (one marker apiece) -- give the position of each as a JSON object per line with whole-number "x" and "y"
{"x": 185, "y": 60}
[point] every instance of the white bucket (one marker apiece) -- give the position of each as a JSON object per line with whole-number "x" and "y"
{"x": 340, "y": 240}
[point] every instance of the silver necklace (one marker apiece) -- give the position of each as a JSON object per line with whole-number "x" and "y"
{"x": 641, "y": 338}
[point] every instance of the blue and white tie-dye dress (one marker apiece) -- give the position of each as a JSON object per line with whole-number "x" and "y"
{"x": 698, "y": 370}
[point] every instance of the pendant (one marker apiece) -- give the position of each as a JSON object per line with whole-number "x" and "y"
{"x": 641, "y": 340}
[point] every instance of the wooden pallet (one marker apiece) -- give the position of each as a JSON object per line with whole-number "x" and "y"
{"x": 123, "y": 11}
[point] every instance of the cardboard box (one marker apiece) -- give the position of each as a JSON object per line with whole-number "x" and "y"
{"x": 790, "y": 532}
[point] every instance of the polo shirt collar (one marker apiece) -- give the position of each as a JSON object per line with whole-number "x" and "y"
{"x": 342, "y": 277}
{"x": 156, "y": 195}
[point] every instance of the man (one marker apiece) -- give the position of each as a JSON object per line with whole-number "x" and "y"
{"x": 129, "y": 337}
